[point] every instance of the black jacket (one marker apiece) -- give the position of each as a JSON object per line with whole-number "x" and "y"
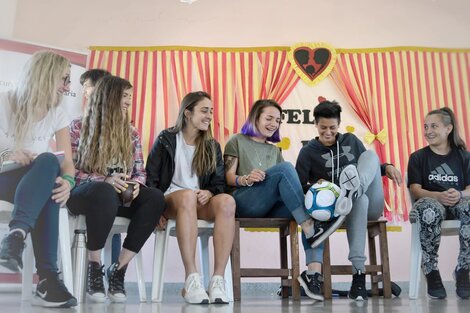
{"x": 161, "y": 165}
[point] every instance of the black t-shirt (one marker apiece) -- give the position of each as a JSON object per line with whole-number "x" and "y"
{"x": 436, "y": 172}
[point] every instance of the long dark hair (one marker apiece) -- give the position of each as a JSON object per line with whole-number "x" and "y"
{"x": 205, "y": 157}
{"x": 448, "y": 118}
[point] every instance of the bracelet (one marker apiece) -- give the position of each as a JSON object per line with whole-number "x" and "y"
{"x": 236, "y": 182}
{"x": 246, "y": 181}
{"x": 461, "y": 194}
{"x": 70, "y": 179}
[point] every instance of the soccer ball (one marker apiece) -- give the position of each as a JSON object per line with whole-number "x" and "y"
{"x": 320, "y": 200}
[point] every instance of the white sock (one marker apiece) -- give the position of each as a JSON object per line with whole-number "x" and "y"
{"x": 18, "y": 230}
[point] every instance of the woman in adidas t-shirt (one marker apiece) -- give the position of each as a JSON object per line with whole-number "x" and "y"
{"x": 439, "y": 178}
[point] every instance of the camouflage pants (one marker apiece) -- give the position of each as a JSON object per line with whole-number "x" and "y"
{"x": 430, "y": 213}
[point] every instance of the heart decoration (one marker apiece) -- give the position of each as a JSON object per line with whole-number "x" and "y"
{"x": 312, "y": 61}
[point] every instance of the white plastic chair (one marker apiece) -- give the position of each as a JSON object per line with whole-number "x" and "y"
{"x": 448, "y": 228}
{"x": 205, "y": 230}
{"x": 28, "y": 256}
{"x": 120, "y": 226}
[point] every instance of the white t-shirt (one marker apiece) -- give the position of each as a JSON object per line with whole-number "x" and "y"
{"x": 183, "y": 178}
{"x": 41, "y": 134}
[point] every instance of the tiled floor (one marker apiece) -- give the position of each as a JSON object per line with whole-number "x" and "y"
{"x": 10, "y": 302}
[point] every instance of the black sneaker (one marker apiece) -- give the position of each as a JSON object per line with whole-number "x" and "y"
{"x": 52, "y": 293}
{"x": 358, "y": 289}
{"x": 11, "y": 251}
{"x": 436, "y": 289}
{"x": 116, "y": 291}
{"x": 312, "y": 285}
{"x": 95, "y": 285}
{"x": 323, "y": 230}
{"x": 462, "y": 282}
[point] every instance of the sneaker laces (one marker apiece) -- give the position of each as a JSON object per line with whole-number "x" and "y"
{"x": 462, "y": 279}
{"x": 116, "y": 281}
{"x": 15, "y": 245}
{"x": 194, "y": 283}
{"x": 434, "y": 279}
{"x": 95, "y": 278}
{"x": 317, "y": 280}
{"x": 218, "y": 283}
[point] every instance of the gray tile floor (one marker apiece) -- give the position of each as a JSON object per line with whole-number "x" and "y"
{"x": 253, "y": 302}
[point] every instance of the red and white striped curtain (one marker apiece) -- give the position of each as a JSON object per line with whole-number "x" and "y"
{"x": 162, "y": 76}
{"x": 393, "y": 91}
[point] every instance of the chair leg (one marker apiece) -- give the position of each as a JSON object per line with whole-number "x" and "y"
{"x": 235, "y": 256}
{"x": 139, "y": 267}
{"x": 159, "y": 261}
{"x": 65, "y": 250}
{"x": 294, "y": 246}
{"x": 415, "y": 262}
{"x": 373, "y": 259}
{"x": 386, "y": 279}
{"x": 204, "y": 257}
{"x": 27, "y": 276}
{"x": 228, "y": 280}
{"x": 327, "y": 290}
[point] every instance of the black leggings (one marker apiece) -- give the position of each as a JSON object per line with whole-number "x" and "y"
{"x": 100, "y": 203}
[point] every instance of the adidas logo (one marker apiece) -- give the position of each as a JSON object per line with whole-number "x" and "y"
{"x": 443, "y": 173}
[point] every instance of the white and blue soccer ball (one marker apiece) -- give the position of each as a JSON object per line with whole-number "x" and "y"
{"x": 320, "y": 200}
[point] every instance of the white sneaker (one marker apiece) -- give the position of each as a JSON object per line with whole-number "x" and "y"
{"x": 193, "y": 291}
{"x": 217, "y": 292}
{"x": 349, "y": 182}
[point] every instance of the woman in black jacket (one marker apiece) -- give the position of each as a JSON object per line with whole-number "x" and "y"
{"x": 186, "y": 164}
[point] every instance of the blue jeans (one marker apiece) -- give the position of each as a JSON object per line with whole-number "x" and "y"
{"x": 279, "y": 195}
{"x": 30, "y": 189}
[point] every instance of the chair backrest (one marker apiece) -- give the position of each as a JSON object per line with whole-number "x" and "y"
{"x": 5, "y": 211}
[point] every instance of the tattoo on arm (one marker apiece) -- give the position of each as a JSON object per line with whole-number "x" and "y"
{"x": 229, "y": 162}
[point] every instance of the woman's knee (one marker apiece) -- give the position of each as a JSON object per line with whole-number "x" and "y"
{"x": 184, "y": 202}
{"x": 225, "y": 205}
{"x": 48, "y": 161}
{"x": 430, "y": 211}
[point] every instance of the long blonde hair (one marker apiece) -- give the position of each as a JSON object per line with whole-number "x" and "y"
{"x": 205, "y": 158}
{"x": 105, "y": 137}
{"x": 36, "y": 92}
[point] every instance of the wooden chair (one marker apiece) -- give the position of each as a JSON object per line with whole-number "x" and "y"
{"x": 287, "y": 274}
{"x": 378, "y": 272}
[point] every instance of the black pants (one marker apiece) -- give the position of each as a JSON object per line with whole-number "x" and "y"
{"x": 100, "y": 203}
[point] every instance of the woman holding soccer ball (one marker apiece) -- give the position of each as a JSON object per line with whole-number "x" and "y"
{"x": 262, "y": 184}
{"x": 342, "y": 159}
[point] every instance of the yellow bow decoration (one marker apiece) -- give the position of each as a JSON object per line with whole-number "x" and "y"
{"x": 284, "y": 144}
{"x": 381, "y": 137}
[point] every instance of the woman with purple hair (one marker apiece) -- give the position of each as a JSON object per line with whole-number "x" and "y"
{"x": 262, "y": 183}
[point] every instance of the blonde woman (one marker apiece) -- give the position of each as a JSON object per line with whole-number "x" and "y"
{"x": 108, "y": 158}
{"x": 186, "y": 164}
{"x": 30, "y": 116}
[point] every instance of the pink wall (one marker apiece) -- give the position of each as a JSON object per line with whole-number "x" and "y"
{"x": 77, "y": 25}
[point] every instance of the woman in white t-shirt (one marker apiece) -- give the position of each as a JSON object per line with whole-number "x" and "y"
{"x": 186, "y": 164}
{"x": 30, "y": 116}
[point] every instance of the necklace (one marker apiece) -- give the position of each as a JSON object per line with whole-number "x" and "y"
{"x": 257, "y": 155}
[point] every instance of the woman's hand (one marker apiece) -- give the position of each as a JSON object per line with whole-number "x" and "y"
{"x": 393, "y": 173}
{"x": 203, "y": 196}
{"x": 23, "y": 157}
{"x": 62, "y": 193}
{"x": 118, "y": 181}
{"x": 255, "y": 176}
{"x": 449, "y": 197}
{"x": 136, "y": 191}
{"x": 162, "y": 223}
